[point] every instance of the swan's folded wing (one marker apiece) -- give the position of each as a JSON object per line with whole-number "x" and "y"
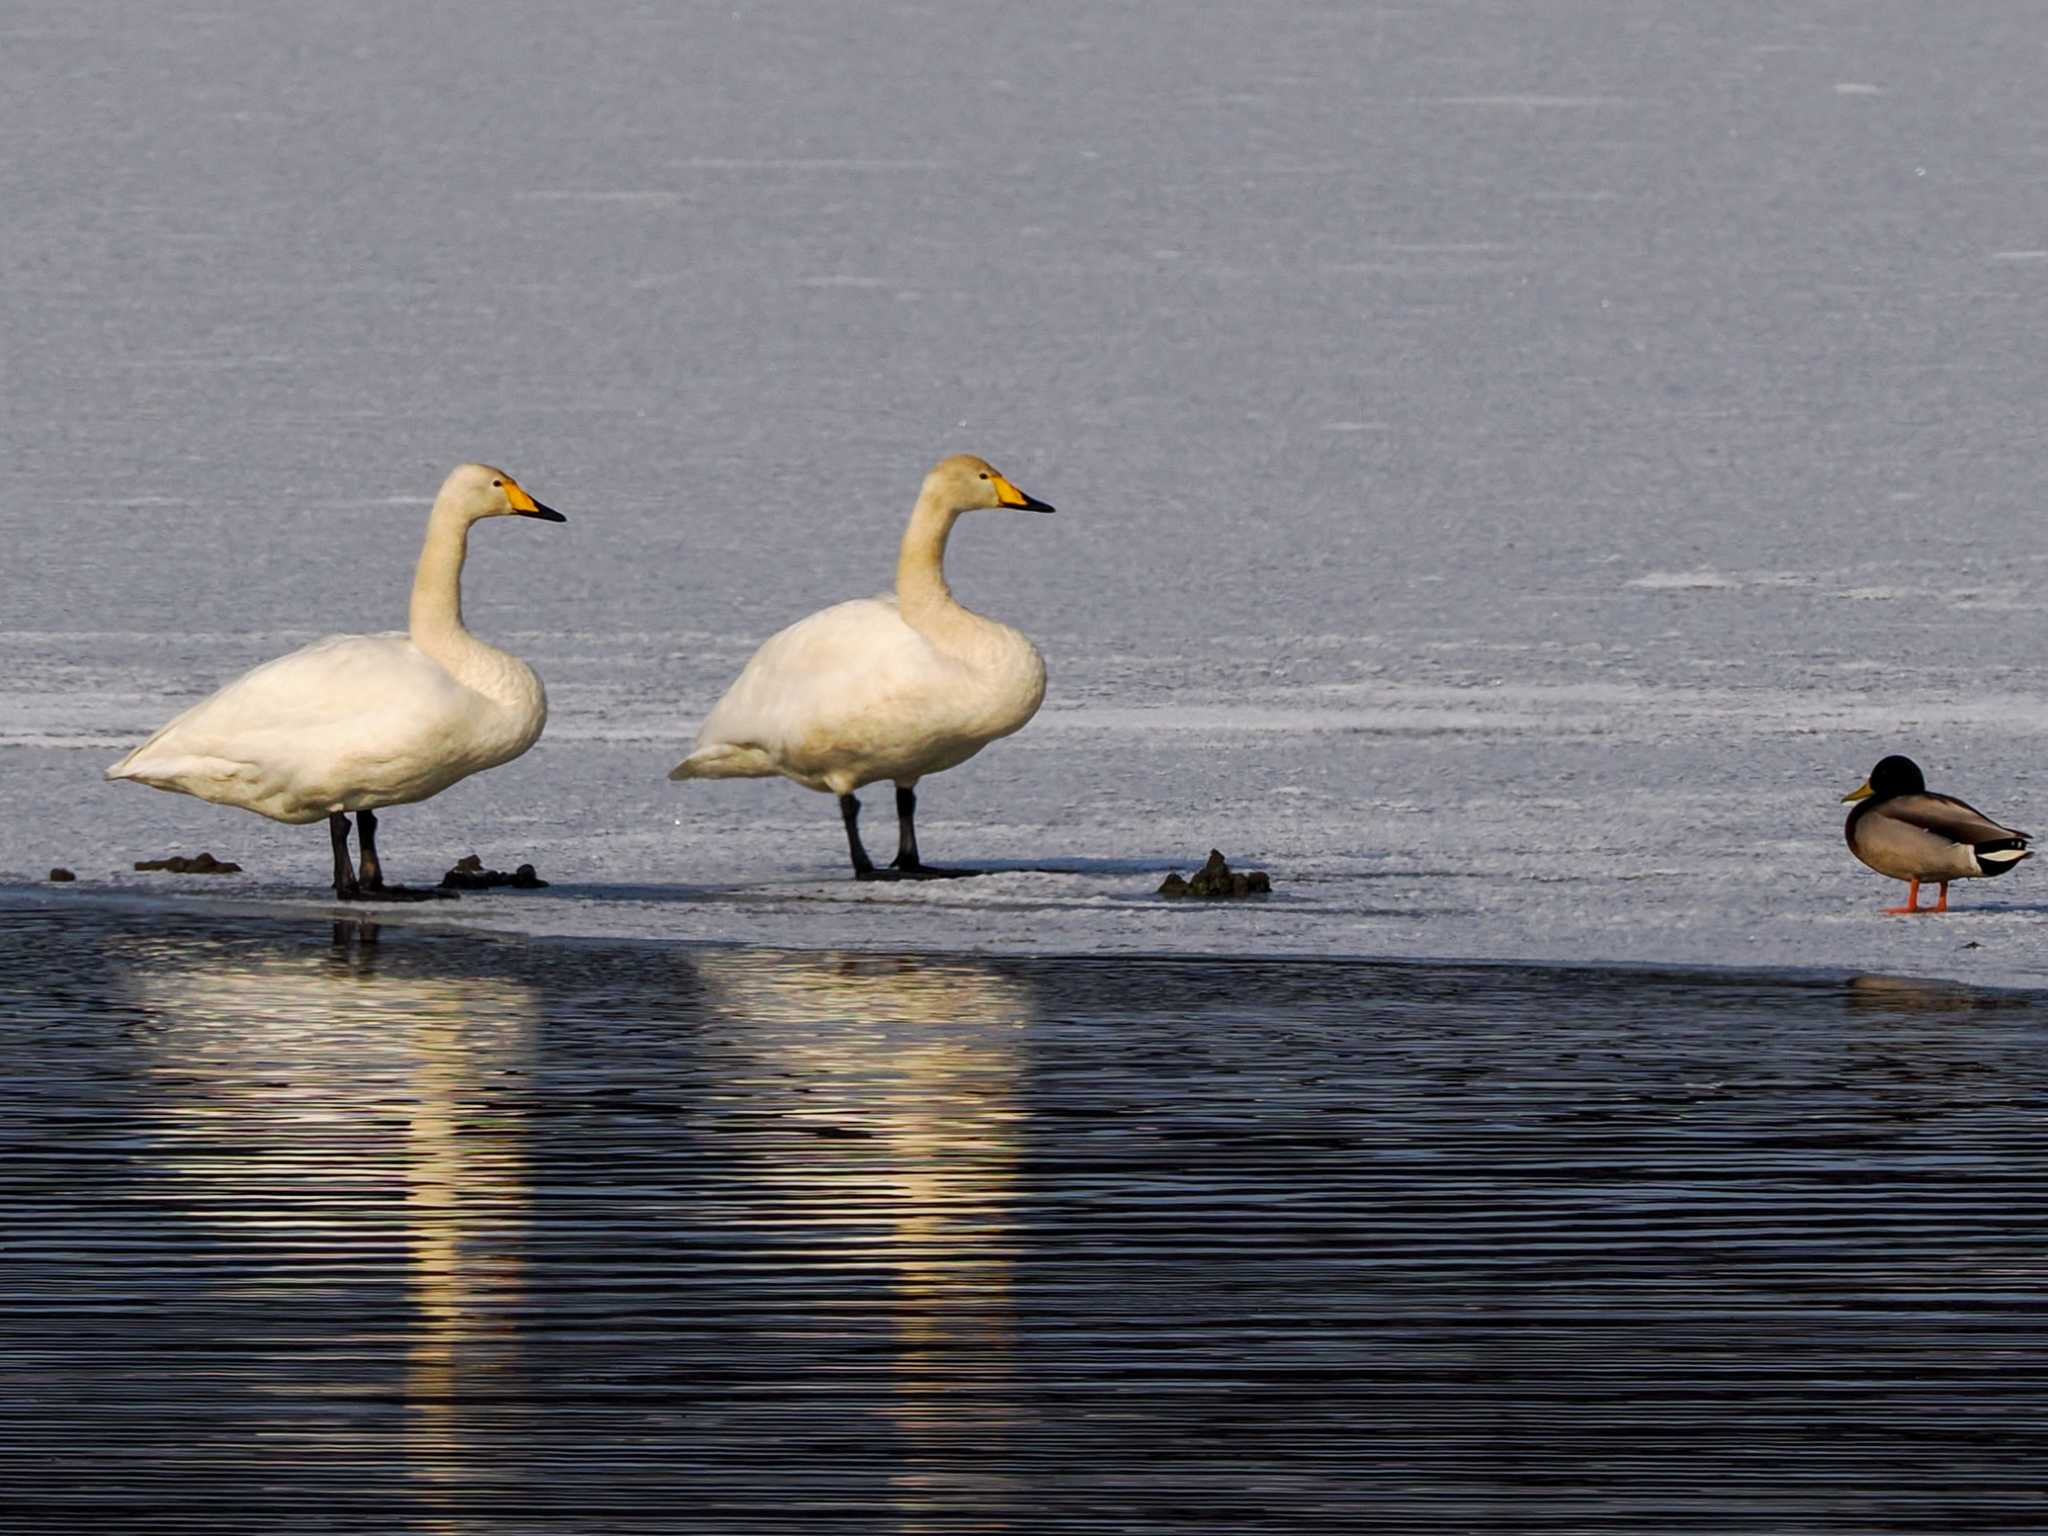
{"x": 840, "y": 664}
{"x": 1948, "y": 817}
{"x": 361, "y": 685}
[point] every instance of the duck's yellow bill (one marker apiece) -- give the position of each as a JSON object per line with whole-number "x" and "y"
{"x": 1862, "y": 791}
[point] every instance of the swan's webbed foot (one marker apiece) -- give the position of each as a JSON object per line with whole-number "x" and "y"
{"x": 901, "y": 871}
{"x": 395, "y": 893}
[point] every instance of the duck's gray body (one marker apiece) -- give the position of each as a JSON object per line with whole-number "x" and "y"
{"x": 1932, "y": 837}
{"x": 1903, "y": 829}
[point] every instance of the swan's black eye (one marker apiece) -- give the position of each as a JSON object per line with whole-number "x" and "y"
{"x": 497, "y": 482}
{"x": 984, "y": 477}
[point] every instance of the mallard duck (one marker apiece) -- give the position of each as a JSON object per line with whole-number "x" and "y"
{"x": 1901, "y": 829}
{"x": 892, "y": 687}
{"x": 354, "y": 722}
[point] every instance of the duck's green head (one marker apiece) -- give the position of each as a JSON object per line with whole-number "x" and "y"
{"x": 1893, "y": 775}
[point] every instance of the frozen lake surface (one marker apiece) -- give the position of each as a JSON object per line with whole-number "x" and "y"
{"x": 336, "y": 1226}
{"x": 1518, "y": 464}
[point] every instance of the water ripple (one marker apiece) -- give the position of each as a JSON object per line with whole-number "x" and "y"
{"x": 344, "y": 1229}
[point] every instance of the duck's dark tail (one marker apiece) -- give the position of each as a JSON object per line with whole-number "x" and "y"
{"x": 1996, "y": 858}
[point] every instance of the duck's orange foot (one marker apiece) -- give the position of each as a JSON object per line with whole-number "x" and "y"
{"x": 1912, "y": 908}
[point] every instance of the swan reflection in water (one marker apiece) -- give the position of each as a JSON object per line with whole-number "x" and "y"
{"x": 343, "y": 1116}
{"x": 322, "y": 1113}
{"x": 926, "y": 1057}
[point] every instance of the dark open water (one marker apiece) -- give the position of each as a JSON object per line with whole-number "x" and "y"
{"x": 327, "y": 1228}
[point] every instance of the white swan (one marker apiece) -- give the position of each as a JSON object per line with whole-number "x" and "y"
{"x": 883, "y": 687}
{"x": 353, "y": 722}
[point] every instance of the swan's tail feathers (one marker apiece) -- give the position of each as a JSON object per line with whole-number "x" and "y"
{"x": 131, "y": 766}
{"x": 1997, "y": 858}
{"x": 139, "y": 764}
{"x": 723, "y": 760}
{"x": 185, "y": 773}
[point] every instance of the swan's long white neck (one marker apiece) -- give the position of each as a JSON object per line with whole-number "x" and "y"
{"x": 437, "y": 582}
{"x": 436, "y": 616}
{"x": 922, "y": 596}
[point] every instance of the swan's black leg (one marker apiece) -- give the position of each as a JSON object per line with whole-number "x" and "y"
{"x": 849, "y": 812}
{"x": 366, "y": 840}
{"x": 373, "y": 887}
{"x": 344, "y": 871}
{"x": 906, "y": 830}
{"x": 907, "y": 865}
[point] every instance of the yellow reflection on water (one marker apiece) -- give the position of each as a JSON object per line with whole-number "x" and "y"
{"x": 925, "y": 1056}
{"x": 334, "y": 1114}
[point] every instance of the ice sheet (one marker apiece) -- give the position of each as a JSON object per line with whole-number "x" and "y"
{"x": 1518, "y": 465}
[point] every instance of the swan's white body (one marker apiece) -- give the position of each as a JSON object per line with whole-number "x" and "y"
{"x": 892, "y": 687}
{"x": 355, "y": 722}
{"x": 859, "y": 693}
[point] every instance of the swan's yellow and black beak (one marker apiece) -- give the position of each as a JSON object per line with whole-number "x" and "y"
{"x": 1862, "y": 791}
{"x": 526, "y": 506}
{"x": 1009, "y": 496}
